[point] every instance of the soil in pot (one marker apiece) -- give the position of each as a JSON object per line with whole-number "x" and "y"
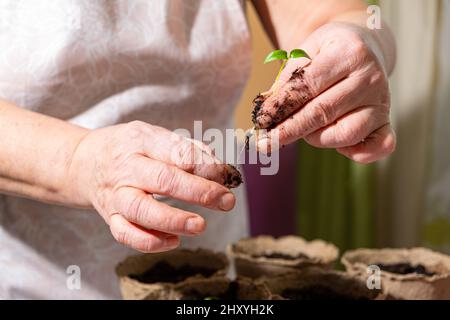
{"x": 153, "y": 276}
{"x": 318, "y": 292}
{"x": 269, "y": 256}
{"x": 278, "y": 255}
{"x": 232, "y": 293}
{"x": 165, "y": 272}
{"x": 220, "y": 288}
{"x": 411, "y": 274}
{"x": 319, "y": 284}
{"x": 405, "y": 268}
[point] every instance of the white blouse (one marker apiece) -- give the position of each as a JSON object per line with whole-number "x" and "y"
{"x": 97, "y": 63}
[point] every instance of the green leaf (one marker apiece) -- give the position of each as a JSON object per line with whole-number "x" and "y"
{"x": 276, "y": 55}
{"x": 298, "y": 53}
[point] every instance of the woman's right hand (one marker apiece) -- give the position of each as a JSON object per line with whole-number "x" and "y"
{"x": 118, "y": 169}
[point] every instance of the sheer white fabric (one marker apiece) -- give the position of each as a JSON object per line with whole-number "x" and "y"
{"x": 414, "y": 197}
{"x": 402, "y": 178}
{"x": 437, "y": 220}
{"x": 98, "y": 63}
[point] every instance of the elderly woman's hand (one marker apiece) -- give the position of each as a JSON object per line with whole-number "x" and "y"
{"x": 118, "y": 169}
{"x": 341, "y": 96}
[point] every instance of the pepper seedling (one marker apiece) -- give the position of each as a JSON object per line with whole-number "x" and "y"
{"x": 283, "y": 55}
{"x": 275, "y": 55}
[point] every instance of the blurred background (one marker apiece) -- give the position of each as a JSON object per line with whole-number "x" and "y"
{"x": 402, "y": 201}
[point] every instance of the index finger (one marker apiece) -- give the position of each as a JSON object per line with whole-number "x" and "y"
{"x": 188, "y": 155}
{"x": 299, "y": 82}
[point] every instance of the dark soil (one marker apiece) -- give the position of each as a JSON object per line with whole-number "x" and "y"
{"x": 247, "y": 142}
{"x": 272, "y": 109}
{"x": 297, "y": 74}
{"x": 318, "y": 292}
{"x": 164, "y": 272}
{"x": 232, "y": 178}
{"x": 257, "y": 103}
{"x": 405, "y": 268}
{"x": 277, "y": 255}
{"x": 232, "y": 293}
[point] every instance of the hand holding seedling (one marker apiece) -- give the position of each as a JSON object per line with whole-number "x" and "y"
{"x": 335, "y": 96}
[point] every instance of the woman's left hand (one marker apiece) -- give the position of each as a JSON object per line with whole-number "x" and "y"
{"x": 342, "y": 96}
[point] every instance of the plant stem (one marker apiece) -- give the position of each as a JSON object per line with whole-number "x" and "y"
{"x": 279, "y": 73}
{"x": 281, "y": 69}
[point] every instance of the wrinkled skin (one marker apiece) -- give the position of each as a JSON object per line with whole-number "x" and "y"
{"x": 118, "y": 169}
{"x": 338, "y": 100}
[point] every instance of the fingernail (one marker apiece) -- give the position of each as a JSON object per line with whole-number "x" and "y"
{"x": 171, "y": 242}
{"x": 227, "y": 201}
{"x": 194, "y": 225}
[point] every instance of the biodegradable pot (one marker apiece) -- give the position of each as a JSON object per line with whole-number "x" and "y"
{"x": 153, "y": 276}
{"x": 319, "y": 284}
{"x": 219, "y": 288}
{"x": 410, "y": 274}
{"x": 267, "y": 256}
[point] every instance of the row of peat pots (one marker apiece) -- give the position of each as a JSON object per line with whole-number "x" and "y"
{"x": 290, "y": 268}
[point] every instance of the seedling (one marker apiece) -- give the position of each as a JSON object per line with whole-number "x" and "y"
{"x": 283, "y": 55}
{"x": 273, "y": 56}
